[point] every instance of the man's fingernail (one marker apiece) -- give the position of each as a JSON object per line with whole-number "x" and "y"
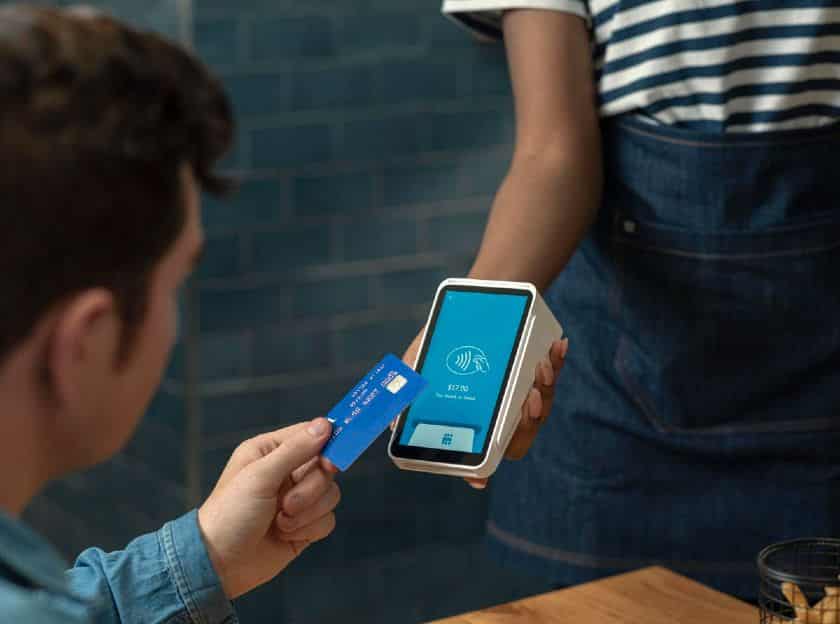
{"x": 479, "y": 486}
{"x": 318, "y": 428}
{"x": 565, "y": 348}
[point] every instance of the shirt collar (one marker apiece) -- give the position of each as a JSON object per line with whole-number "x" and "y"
{"x": 27, "y": 554}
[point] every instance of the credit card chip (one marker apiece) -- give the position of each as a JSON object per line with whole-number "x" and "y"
{"x": 397, "y": 384}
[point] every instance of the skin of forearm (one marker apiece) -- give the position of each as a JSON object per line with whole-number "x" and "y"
{"x": 541, "y": 213}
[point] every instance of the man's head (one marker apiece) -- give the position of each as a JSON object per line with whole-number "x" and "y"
{"x": 106, "y": 137}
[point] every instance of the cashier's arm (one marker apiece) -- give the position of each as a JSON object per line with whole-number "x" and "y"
{"x": 551, "y": 192}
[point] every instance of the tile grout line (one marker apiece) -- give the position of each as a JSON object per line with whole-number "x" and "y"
{"x": 192, "y": 404}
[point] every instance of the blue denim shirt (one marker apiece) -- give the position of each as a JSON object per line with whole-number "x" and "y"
{"x": 160, "y": 578}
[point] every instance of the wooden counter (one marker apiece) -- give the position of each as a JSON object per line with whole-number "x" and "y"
{"x": 649, "y": 596}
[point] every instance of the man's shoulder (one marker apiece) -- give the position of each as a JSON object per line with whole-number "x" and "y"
{"x": 38, "y": 606}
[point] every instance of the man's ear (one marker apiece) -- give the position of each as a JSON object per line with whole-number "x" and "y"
{"x": 83, "y": 344}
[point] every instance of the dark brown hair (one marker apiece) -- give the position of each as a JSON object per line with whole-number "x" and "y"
{"x": 97, "y": 121}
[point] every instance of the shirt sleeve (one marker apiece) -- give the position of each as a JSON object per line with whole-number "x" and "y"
{"x": 483, "y": 18}
{"x": 160, "y": 578}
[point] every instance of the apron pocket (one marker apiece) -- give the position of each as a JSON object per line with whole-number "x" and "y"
{"x": 726, "y": 332}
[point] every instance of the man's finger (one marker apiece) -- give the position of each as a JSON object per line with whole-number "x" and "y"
{"x": 306, "y": 493}
{"x": 328, "y": 466}
{"x": 293, "y": 451}
{"x": 477, "y": 484}
{"x": 321, "y": 507}
{"x": 409, "y": 358}
{"x": 311, "y": 533}
{"x": 300, "y": 473}
{"x": 275, "y": 438}
{"x": 253, "y": 449}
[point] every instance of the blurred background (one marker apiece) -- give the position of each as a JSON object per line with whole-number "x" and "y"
{"x": 372, "y": 136}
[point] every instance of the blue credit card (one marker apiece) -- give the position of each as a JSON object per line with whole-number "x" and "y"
{"x": 367, "y": 410}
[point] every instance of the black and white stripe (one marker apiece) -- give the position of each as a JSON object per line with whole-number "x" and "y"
{"x": 711, "y": 65}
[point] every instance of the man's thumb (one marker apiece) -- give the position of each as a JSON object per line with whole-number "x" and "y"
{"x": 272, "y": 470}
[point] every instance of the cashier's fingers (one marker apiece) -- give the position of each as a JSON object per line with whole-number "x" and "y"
{"x": 544, "y": 380}
{"x": 559, "y": 349}
{"x": 409, "y": 357}
{"x": 528, "y": 427}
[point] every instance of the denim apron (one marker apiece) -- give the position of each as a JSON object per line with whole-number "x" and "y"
{"x": 697, "y": 419}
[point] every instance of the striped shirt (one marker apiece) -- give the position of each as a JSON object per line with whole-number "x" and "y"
{"x": 709, "y": 65}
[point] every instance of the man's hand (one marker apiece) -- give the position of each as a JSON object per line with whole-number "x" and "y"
{"x": 274, "y": 498}
{"x": 537, "y": 406}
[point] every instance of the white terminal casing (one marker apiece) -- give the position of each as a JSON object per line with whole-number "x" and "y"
{"x": 540, "y": 330}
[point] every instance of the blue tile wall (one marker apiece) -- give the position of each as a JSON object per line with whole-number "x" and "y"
{"x": 338, "y": 193}
{"x": 258, "y": 202}
{"x": 292, "y": 38}
{"x": 225, "y": 355}
{"x": 290, "y": 146}
{"x": 416, "y": 286}
{"x": 370, "y": 342}
{"x": 238, "y": 307}
{"x": 372, "y": 136}
{"x": 389, "y": 130}
{"x": 420, "y": 183}
{"x": 379, "y": 32}
{"x": 384, "y": 137}
{"x": 380, "y": 238}
{"x": 222, "y": 257}
{"x": 488, "y": 73}
{"x": 294, "y": 247}
{"x": 337, "y": 296}
{"x": 282, "y": 349}
{"x": 410, "y": 81}
{"x": 218, "y": 37}
{"x": 455, "y": 232}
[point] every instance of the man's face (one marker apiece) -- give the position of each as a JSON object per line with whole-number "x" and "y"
{"x": 124, "y": 395}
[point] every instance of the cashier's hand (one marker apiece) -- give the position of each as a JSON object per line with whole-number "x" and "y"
{"x": 275, "y": 497}
{"x": 537, "y": 406}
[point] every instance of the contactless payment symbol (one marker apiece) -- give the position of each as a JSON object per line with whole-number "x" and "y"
{"x": 467, "y": 360}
